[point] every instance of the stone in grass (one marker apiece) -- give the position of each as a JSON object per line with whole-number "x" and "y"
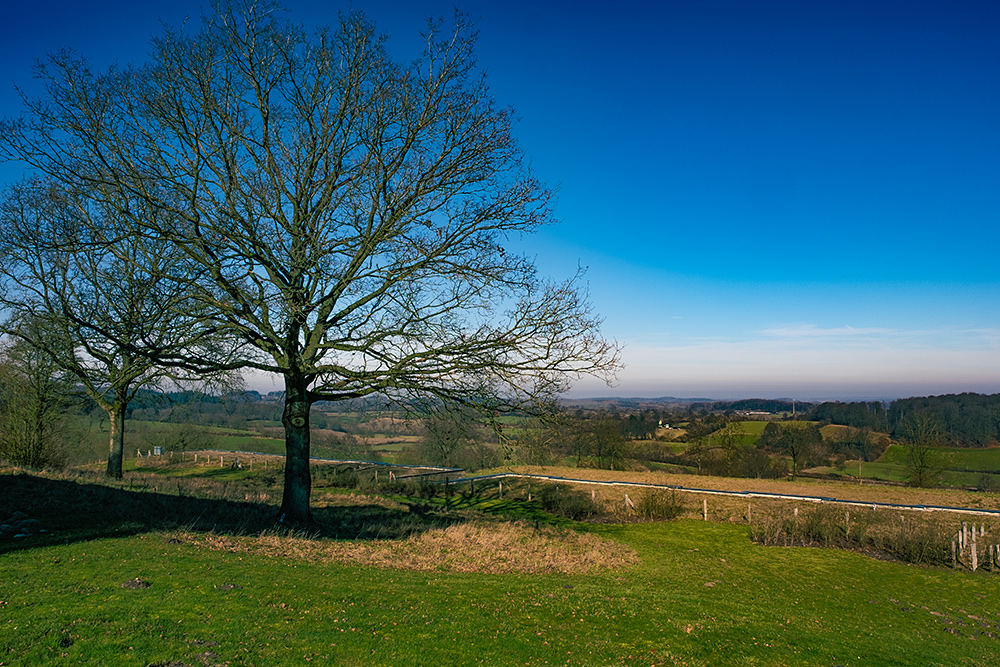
{"x": 133, "y": 584}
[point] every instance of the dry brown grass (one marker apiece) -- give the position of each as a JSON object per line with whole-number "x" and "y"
{"x": 474, "y": 546}
{"x": 811, "y": 487}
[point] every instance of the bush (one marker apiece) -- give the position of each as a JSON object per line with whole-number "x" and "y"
{"x": 908, "y": 540}
{"x": 661, "y": 504}
{"x": 989, "y": 482}
{"x": 566, "y": 502}
{"x": 333, "y": 476}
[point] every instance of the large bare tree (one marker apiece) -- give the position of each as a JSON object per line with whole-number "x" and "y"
{"x": 345, "y": 215}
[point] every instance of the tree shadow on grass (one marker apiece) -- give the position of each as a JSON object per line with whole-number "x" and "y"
{"x": 82, "y": 509}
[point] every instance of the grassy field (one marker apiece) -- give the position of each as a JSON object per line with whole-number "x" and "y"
{"x": 953, "y": 458}
{"x": 954, "y": 466}
{"x": 123, "y": 587}
{"x": 897, "y": 472}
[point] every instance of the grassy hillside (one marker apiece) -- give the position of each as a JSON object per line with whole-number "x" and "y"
{"x": 701, "y": 595}
{"x": 112, "y": 588}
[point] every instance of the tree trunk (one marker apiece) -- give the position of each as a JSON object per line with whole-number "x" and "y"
{"x": 298, "y": 482}
{"x": 116, "y": 448}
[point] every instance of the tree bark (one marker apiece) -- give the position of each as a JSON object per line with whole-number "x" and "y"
{"x": 298, "y": 482}
{"x": 116, "y": 448}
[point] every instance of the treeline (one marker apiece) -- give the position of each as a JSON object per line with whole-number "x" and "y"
{"x": 751, "y": 405}
{"x": 970, "y": 420}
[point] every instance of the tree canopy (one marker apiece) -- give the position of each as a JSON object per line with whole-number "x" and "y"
{"x": 341, "y": 216}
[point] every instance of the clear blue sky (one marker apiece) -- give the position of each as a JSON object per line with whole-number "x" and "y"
{"x": 793, "y": 198}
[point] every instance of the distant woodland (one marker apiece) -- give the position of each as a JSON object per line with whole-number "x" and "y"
{"x": 969, "y": 420}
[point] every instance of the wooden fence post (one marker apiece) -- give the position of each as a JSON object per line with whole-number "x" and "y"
{"x": 704, "y": 509}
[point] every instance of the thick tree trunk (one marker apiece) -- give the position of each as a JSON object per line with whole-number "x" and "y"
{"x": 298, "y": 482}
{"x": 116, "y": 449}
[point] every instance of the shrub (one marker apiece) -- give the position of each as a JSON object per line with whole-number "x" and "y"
{"x": 663, "y": 504}
{"x": 989, "y": 482}
{"x": 567, "y": 502}
{"x": 337, "y": 477}
{"x": 908, "y": 540}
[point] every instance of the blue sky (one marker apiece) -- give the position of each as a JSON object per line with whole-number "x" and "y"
{"x": 794, "y": 199}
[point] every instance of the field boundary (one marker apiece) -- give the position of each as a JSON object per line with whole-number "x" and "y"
{"x": 437, "y": 470}
{"x": 738, "y": 494}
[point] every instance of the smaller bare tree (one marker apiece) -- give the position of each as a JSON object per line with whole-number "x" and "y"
{"x": 33, "y": 400}
{"x": 97, "y": 307}
{"x": 922, "y": 433}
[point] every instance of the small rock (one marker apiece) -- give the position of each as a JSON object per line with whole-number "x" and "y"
{"x": 133, "y": 584}
{"x": 30, "y": 525}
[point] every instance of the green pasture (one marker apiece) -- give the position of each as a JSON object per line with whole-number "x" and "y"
{"x": 953, "y": 458}
{"x": 702, "y": 595}
{"x": 752, "y": 430}
{"x": 897, "y": 472}
{"x": 242, "y": 443}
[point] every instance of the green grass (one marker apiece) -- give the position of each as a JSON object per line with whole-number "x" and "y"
{"x": 752, "y": 430}
{"x": 702, "y": 594}
{"x": 895, "y": 472}
{"x": 955, "y": 466}
{"x": 953, "y": 458}
{"x": 242, "y": 443}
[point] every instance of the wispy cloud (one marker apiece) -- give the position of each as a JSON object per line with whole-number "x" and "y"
{"x": 813, "y": 331}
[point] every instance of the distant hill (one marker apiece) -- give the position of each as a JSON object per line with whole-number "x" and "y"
{"x": 762, "y": 405}
{"x": 630, "y": 402}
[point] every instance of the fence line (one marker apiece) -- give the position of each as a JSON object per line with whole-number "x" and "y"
{"x": 740, "y": 494}
{"x": 438, "y": 470}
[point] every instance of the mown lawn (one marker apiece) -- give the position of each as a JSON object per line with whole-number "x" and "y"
{"x": 702, "y": 594}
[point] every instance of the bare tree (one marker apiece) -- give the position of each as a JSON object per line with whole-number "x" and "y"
{"x": 344, "y": 214}
{"x": 922, "y": 435}
{"x": 95, "y": 307}
{"x": 33, "y": 399}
